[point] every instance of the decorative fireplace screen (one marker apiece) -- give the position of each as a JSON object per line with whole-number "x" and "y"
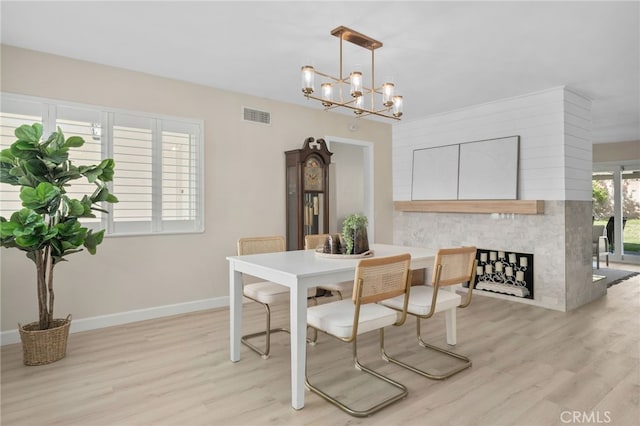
{"x": 505, "y": 272}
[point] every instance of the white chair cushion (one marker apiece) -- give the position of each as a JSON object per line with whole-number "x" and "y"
{"x": 337, "y": 317}
{"x": 271, "y": 293}
{"x": 420, "y": 300}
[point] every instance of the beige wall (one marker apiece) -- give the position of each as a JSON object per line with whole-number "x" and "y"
{"x": 244, "y": 187}
{"x": 616, "y": 152}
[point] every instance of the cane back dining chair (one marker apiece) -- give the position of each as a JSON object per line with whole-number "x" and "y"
{"x": 312, "y": 241}
{"x": 375, "y": 279}
{"x": 451, "y": 266}
{"x": 265, "y": 293}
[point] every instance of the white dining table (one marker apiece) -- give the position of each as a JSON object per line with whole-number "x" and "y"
{"x": 299, "y": 270}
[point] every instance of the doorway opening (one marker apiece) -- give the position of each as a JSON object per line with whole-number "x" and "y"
{"x": 351, "y": 182}
{"x": 616, "y": 205}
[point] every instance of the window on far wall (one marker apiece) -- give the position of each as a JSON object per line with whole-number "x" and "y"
{"x": 159, "y": 162}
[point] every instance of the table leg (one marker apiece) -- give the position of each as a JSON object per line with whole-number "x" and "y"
{"x": 298, "y": 327}
{"x": 450, "y": 320}
{"x": 235, "y": 311}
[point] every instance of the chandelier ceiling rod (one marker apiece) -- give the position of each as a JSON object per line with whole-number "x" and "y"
{"x": 391, "y": 104}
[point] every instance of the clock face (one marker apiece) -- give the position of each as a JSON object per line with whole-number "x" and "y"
{"x": 313, "y": 175}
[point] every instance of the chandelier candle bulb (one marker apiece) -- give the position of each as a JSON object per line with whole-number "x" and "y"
{"x": 493, "y": 256}
{"x": 327, "y": 94}
{"x": 397, "y": 106}
{"x": 356, "y": 84}
{"x": 387, "y": 94}
{"x": 308, "y": 74}
{"x": 524, "y": 262}
{"x": 512, "y": 258}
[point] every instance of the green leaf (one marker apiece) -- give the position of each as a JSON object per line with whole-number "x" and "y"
{"x": 7, "y": 157}
{"x": 27, "y": 181}
{"x": 36, "y": 167}
{"x": 16, "y": 171}
{"x": 40, "y": 196}
{"x": 100, "y": 194}
{"x": 93, "y": 240}
{"x": 7, "y": 228}
{"x": 27, "y": 216}
{"x": 27, "y": 240}
{"x": 91, "y": 173}
{"x": 56, "y": 140}
{"x": 55, "y": 158}
{"x": 107, "y": 167}
{"x": 6, "y": 176}
{"x": 29, "y": 133}
{"x": 24, "y": 149}
{"x": 56, "y": 246}
{"x": 103, "y": 171}
{"x": 74, "y": 142}
{"x": 76, "y": 208}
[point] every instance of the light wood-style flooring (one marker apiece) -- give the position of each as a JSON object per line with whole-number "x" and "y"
{"x": 531, "y": 366}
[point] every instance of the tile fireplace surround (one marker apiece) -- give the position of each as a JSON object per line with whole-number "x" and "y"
{"x": 559, "y": 239}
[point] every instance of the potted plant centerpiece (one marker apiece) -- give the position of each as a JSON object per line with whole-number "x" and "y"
{"x": 48, "y": 227}
{"x": 354, "y": 234}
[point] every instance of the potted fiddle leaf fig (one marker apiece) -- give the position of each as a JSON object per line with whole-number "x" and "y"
{"x": 48, "y": 227}
{"x": 354, "y": 234}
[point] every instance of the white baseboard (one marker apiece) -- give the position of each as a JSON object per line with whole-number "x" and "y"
{"x": 102, "y": 321}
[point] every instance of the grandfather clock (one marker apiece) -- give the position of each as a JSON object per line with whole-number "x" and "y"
{"x": 307, "y": 191}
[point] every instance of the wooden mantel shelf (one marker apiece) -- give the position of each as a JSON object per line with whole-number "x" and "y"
{"x": 472, "y": 206}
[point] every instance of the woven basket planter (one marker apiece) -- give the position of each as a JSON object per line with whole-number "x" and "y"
{"x": 41, "y": 347}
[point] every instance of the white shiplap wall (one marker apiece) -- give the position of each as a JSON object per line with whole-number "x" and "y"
{"x": 555, "y": 150}
{"x": 578, "y": 146}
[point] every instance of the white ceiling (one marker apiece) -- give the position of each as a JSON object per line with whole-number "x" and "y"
{"x": 441, "y": 55}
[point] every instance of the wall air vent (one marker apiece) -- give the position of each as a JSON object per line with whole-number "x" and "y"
{"x": 256, "y": 116}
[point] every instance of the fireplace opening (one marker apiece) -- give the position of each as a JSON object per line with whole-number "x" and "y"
{"x": 505, "y": 272}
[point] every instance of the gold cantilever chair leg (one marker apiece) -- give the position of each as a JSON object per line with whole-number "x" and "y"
{"x": 371, "y": 410}
{"x": 454, "y": 265}
{"x": 267, "y": 333}
{"x": 433, "y": 376}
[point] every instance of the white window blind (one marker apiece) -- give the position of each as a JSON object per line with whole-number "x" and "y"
{"x": 133, "y": 155}
{"x": 159, "y": 162}
{"x": 80, "y": 122}
{"x": 180, "y": 153}
{"x": 12, "y": 115}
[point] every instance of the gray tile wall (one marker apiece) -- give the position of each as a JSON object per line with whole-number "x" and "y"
{"x": 560, "y": 240}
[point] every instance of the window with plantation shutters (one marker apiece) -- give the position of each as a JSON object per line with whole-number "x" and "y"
{"x": 159, "y": 162}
